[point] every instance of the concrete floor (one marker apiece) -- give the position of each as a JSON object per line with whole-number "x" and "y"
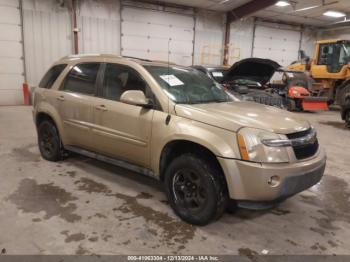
{"x": 82, "y": 206}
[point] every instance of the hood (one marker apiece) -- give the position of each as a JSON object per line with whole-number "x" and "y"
{"x": 234, "y": 115}
{"x": 257, "y": 69}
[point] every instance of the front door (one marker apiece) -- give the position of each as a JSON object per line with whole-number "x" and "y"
{"x": 122, "y": 130}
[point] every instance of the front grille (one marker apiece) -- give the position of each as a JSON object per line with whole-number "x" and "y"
{"x": 299, "y": 134}
{"x": 304, "y": 151}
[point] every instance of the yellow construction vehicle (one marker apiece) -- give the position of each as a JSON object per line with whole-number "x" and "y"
{"x": 329, "y": 68}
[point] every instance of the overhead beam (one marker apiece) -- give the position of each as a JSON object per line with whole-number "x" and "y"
{"x": 248, "y": 9}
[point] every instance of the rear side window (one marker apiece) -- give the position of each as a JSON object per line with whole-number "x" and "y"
{"x": 51, "y": 76}
{"x": 82, "y": 78}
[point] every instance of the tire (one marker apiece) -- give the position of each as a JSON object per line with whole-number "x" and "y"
{"x": 49, "y": 141}
{"x": 196, "y": 189}
{"x": 347, "y": 118}
{"x": 343, "y": 95}
{"x": 291, "y": 105}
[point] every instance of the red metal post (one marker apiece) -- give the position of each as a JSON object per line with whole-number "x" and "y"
{"x": 25, "y": 94}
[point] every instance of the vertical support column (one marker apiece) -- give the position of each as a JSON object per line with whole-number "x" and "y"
{"x": 75, "y": 27}
{"x": 227, "y": 41}
{"x": 253, "y": 38}
{"x": 22, "y": 40}
{"x": 301, "y": 38}
{"x": 194, "y": 35}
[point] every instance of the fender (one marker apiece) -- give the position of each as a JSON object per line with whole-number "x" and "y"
{"x": 221, "y": 142}
{"x": 46, "y": 108}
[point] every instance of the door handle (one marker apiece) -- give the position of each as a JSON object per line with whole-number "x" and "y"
{"x": 60, "y": 98}
{"x": 101, "y": 108}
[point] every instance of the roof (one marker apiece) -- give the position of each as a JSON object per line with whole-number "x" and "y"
{"x": 330, "y": 41}
{"x": 111, "y": 56}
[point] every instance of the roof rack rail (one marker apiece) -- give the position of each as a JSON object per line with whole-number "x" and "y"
{"x": 88, "y": 54}
{"x": 137, "y": 58}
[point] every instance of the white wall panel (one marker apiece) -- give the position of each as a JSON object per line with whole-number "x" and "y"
{"x": 47, "y": 36}
{"x": 151, "y": 34}
{"x": 11, "y": 53}
{"x": 279, "y": 44}
{"x": 309, "y": 39}
{"x": 241, "y": 39}
{"x": 99, "y": 25}
{"x": 209, "y": 38}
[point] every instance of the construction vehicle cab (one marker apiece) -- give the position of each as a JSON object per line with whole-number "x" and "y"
{"x": 329, "y": 68}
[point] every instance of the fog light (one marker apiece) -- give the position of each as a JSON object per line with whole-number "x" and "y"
{"x": 274, "y": 181}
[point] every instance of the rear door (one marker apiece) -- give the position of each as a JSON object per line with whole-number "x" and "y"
{"x": 122, "y": 130}
{"x": 75, "y": 98}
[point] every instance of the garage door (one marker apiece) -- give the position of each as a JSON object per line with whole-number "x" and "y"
{"x": 151, "y": 34}
{"x": 280, "y": 45}
{"x": 11, "y": 62}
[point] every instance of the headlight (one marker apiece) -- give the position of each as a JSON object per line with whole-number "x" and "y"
{"x": 262, "y": 146}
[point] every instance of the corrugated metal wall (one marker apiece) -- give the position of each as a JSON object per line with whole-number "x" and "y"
{"x": 241, "y": 39}
{"x": 99, "y": 26}
{"x": 48, "y": 33}
{"x": 47, "y": 36}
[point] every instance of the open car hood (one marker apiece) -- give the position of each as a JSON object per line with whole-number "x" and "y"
{"x": 256, "y": 69}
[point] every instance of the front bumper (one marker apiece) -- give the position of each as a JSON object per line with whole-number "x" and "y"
{"x": 250, "y": 182}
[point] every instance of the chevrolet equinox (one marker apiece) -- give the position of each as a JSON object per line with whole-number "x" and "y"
{"x": 176, "y": 124}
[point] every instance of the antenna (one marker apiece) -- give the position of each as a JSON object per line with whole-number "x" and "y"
{"x": 167, "y": 120}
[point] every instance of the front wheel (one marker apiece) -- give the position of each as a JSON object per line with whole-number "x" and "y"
{"x": 347, "y": 118}
{"x": 49, "y": 141}
{"x": 196, "y": 189}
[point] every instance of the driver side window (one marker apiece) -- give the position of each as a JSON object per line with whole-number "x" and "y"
{"x": 120, "y": 78}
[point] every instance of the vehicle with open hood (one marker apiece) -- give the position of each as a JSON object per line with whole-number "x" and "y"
{"x": 179, "y": 126}
{"x": 266, "y": 82}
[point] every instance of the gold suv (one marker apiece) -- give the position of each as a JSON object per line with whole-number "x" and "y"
{"x": 178, "y": 125}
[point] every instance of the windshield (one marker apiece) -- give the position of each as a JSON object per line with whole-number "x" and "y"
{"x": 345, "y": 53}
{"x": 187, "y": 85}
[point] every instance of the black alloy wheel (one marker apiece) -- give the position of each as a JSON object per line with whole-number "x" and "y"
{"x": 49, "y": 141}
{"x": 196, "y": 188}
{"x": 189, "y": 191}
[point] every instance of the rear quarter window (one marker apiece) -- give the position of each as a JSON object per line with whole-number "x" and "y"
{"x": 51, "y": 76}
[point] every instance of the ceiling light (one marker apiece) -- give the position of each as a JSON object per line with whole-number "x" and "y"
{"x": 282, "y": 3}
{"x": 306, "y": 8}
{"x": 335, "y": 14}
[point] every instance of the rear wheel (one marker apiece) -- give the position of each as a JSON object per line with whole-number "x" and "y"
{"x": 49, "y": 141}
{"x": 196, "y": 189}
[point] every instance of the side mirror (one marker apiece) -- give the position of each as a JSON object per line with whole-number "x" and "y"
{"x": 137, "y": 98}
